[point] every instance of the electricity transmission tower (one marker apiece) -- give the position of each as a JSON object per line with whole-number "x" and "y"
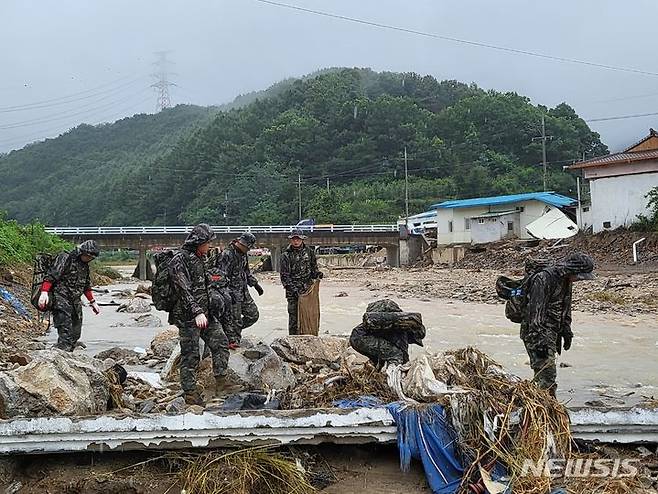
{"x": 162, "y": 82}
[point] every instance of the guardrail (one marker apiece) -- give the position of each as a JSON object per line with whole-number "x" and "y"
{"x": 164, "y": 230}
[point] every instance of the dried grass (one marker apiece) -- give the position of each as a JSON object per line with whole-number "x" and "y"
{"x": 246, "y": 471}
{"x": 350, "y": 382}
{"x": 116, "y": 390}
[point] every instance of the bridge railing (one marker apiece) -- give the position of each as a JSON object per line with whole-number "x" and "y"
{"x": 220, "y": 229}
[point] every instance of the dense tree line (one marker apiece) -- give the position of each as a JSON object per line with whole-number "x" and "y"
{"x": 342, "y": 131}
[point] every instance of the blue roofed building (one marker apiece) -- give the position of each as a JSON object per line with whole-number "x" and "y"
{"x": 489, "y": 219}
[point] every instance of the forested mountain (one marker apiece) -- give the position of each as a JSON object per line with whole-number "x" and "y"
{"x": 348, "y": 127}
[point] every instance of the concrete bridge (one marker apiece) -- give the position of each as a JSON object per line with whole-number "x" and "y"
{"x": 274, "y": 237}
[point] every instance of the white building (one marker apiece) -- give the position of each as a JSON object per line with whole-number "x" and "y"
{"x": 488, "y": 219}
{"x": 619, "y": 183}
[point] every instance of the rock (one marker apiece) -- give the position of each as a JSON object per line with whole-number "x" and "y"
{"x": 300, "y": 349}
{"x": 564, "y": 365}
{"x": 164, "y": 342}
{"x": 147, "y": 406}
{"x": 264, "y": 373}
{"x": 595, "y": 404}
{"x": 120, "y": 355}
{"x": 341, "y": 294}
{"x": 143, "y": 321}
{"x": 19, "y": 358}
{"x": 136, "y": 305}
{"x": 141, "y": 288}
{"x": 176, "y": 406}
{"x": 195, "y": 409}
{"x": 54, "y": 383}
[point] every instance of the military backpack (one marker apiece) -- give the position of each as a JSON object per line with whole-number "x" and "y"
{"x": 42, "y": 263}
{"x": 162, "y": 290}
{"x": 515, "y": 292}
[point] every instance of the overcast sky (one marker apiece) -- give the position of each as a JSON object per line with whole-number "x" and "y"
{"x": 75, "y": 61}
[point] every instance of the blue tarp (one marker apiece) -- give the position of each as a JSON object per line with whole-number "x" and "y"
{"x": 426, "y": 434}
{"x": 366, "y": 401}
{"x": 15, "y": 303}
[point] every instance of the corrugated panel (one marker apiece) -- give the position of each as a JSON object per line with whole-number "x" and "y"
{"x": 613, "y": 159}
{"x": 550, "y": 198}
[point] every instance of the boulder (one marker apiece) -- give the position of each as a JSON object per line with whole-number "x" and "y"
{"x": 141, "y": 288}
{"x": 54, "y": 383}
{"x": 164, "y": 342}
{"x": 136, "y": 305}
{"x": 251, "y": 367}
{"x": 142, "y": 321}
{"x": 120, "y": 355}
{"x": 320, "y": 350}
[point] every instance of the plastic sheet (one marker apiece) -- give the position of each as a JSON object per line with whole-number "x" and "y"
{"x": 14, "y": 302}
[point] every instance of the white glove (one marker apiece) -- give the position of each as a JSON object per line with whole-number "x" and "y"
{"x": 201, "y": 321}
{"x": 43, "y": 300}
{"x": 95, "y": 307}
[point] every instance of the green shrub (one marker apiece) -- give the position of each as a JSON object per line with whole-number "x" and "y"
{"x": 20, "y": 243}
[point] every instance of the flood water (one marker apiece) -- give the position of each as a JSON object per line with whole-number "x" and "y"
{"x": 611, "y": 354}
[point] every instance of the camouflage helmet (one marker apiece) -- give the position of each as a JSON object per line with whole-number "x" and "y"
{"x": 579, "y": 265}
{"x": 199, "y": 235}
{"x": 296, "y": 233}
{"x": 247, "y": 239}
{"x": 383, "y": 305}
{"x": 90, "y": 248}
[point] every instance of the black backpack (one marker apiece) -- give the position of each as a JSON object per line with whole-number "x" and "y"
{"x": 516, "y": 294}
{"x": 162, "y": 290}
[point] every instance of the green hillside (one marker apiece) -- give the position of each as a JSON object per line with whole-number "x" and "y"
{"x": 349, "y": 126}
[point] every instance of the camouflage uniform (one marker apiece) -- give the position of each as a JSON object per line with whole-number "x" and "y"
{"x": 69, "y": 276}
{"x": 299, "y": 267}
{"x": 548, "y": 316}
{"x": 244, "y": 312}
{"x": 190, "y": 279}
{"x": 384, "y": 346}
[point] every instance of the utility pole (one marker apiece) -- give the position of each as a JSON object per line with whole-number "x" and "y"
{"x": 225, "y": 204}
{"x": 406, "y": 185}
{"x": 327, "y": 184}
{"x": 543, "y": 137}
{"x": 299, "y": 194}
{"x": 162, "y": 82}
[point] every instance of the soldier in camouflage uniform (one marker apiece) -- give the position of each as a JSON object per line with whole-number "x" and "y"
{"x": 191, "y": 313}
{"x": 66, "y": 281}
{"x": 299, "y": 267}
{"x": 547, "y": 327}
{"x": 233, "y": 262}
{"x": 385, "y": 347}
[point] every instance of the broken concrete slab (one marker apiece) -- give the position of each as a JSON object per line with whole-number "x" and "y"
{"x": 320, "y": 350}
{"x": 209, "y": 429}
{"x": 54, "y": 383}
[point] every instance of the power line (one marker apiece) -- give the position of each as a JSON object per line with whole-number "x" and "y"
{"x": 62, "y": 116}
{"x": 621, "y": 117}
{"x": 74, "y": 100}
{"x": 30, "y": 106}
{"x": 459, "y": 40}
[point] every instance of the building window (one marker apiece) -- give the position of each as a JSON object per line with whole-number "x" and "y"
{"x": 450, "y": 226}
{"x": 510, "y": 226}
{"x": 606, "y": 224}
{"x": 585, "y": 209}
{"x": 467, "y": 224}
{"x": 481, "y": 221}
{"x": 520, "y": 209}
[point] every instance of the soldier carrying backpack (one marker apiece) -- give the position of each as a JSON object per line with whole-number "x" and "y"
{"x": 65, "y": 280}
{"x": 545, "y": 300}
{"x": 189, "y": 302}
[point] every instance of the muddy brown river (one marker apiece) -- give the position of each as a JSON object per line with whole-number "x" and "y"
{"x": 613, "y": 358}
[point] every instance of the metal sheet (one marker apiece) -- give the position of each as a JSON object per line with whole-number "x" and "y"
{"x": 552, "y": 226}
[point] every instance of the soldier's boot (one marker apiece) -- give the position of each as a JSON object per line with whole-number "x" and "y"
{"x": 223, "y": 386}
{"x": 194, "y": 398}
